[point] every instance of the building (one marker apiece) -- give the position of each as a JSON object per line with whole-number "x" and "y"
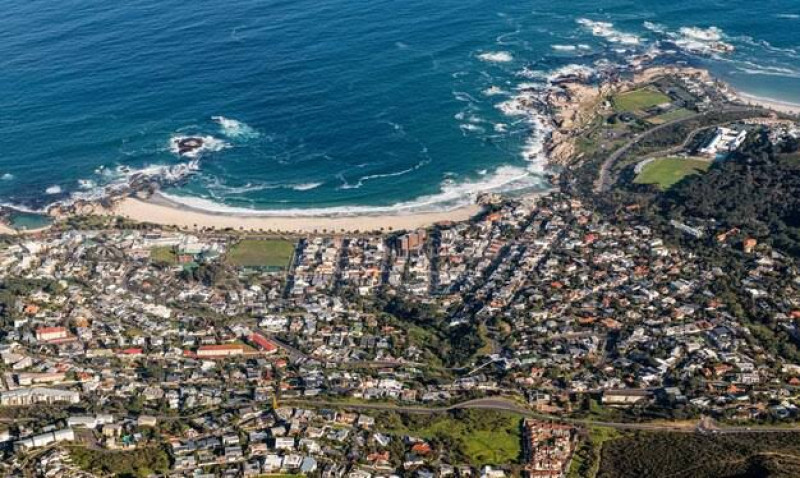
{"x": 724, "y": 141}
{"x": 32, "y": 396}
{"x": 45, "y": 439}
{"x": 221, "y": 351}
{"x": 33, "y": 378}
{"x": 49, "y": 334}
{"x": 267, "y": 346}
{"x": 548, "y": 448}
{"x": 625, "y": 396}
{"x": 89, "y": 421}
{"x": 413, "y": 241}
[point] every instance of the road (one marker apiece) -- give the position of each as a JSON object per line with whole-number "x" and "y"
{"x": 604, "y": 183}
{"x": 502, "y": 404}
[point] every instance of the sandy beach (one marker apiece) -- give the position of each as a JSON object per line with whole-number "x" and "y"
{"x": 160, "y": 211}
{"x": 777, "y": 105}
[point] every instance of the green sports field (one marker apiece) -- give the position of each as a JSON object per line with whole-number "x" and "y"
{"x": 639, "y": 100}
{"x": 267, "y": 253}
{"x": 667, "y": 172}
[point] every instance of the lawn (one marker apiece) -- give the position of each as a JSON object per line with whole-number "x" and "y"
{"x": 269, "y": 254}
{"x": 667, "y": 172}
{"x": 165, "y": 254}
{"x": 639, "y": 100}
{"x": 673, "y": 115}
{"x": 481, "y": 437}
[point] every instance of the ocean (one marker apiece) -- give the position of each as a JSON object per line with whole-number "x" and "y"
{"x": 331, "y": 106}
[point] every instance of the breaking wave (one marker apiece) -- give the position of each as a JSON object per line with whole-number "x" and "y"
{"x": 452, "y": 195}
{"x": 305, "y": 186}
{"x": 607, "y": 31}
{"x": 496, "y": 57}
{"x": 235, "y": 129}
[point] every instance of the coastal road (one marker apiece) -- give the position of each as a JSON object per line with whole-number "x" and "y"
{"x": 604, "y": 182}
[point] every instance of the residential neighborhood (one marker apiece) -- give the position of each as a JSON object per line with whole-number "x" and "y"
{"x": 152, "y": 339}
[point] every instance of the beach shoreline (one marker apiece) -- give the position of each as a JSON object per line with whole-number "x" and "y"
{"x": 162, "y": 211}
{"x": 570, "y": 114}
{"x": 769, "y": 103}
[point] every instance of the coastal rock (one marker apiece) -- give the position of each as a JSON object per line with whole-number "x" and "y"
{"x": 188, "y": 146}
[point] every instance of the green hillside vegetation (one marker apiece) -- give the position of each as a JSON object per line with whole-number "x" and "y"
{"x": 667, "y": 172}
{"x": 479, "y": 437}
{"x": 757, "y": 190}
{"x": 135, "y": 463}
{"x": 673, "y": 115}
{"x": 686, "y": 455}
{"x": 163, "y": 255}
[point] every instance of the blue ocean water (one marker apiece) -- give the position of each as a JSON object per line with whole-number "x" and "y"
{"x": 330, "y": 105}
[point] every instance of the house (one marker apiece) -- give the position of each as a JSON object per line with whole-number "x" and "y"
{"x": 49, "y": 334}
{"x": 146, "y": 421}
{"x": 284, "y": 443}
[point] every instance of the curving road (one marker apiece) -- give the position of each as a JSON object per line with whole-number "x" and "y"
{"x": 604, "y": 183}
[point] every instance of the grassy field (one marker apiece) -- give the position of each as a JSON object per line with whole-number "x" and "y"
{"x": 667, "y": 172}
{"x": 262, "y": 253}
{"x": 480, "y": 437}
{"x": 673, "y": 115}
{"x": 164, "y": 254}
{"x": 638, "y": 100}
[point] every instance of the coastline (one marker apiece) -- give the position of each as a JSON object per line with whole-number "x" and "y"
{"x": 571, "y": 110}
{"x": 770, "y": 103}
{"x": 160, "y": 210}
{"x": 7, "y": 230}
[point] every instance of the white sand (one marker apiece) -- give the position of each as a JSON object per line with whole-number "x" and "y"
{"x": 177, "y": 215}
{"x": 777, "y": 105}
{"x": 5, "y": 229}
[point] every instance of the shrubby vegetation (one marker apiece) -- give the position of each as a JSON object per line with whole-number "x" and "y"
{"x": 756, "y": 190}
{"x": 479, "y": 437}
{"x": 699, "y": 456}
{"x": 455, "y": 346}
{"x": 136, "y": 463}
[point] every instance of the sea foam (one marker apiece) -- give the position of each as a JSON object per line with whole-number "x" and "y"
{"x": 210, "y": 144}
{"x": 607, "y": 31}
{"x": 496, "y": 57}
{"x": 452, "y": 195}
{"x": 235, "y": 129}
